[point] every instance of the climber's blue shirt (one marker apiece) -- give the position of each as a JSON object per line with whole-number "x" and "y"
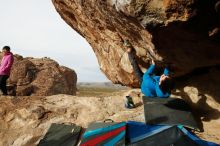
{"x": 150, "y": 85}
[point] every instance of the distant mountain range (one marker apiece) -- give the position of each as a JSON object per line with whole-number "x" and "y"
{"x": 101, "y": 85}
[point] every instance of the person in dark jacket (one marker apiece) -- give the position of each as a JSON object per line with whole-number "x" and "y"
{"x": 5, "y": 68}
{"x": 151, "y": 84}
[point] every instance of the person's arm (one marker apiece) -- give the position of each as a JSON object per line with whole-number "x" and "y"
{"x": 166, "y": 72}
{"x": 160, "y": 93}
{"x": 150, "y": 70}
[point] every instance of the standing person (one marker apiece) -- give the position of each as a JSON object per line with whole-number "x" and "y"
{"x": 151, "y": 85}
{"x": 5, "y": 68}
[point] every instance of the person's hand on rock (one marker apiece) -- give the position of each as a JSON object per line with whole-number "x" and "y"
{"x": 152, "y": 62}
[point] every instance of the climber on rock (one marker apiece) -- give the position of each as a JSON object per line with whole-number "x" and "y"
{"x": 5, "y": 68}
{"x": 151, "y": 84}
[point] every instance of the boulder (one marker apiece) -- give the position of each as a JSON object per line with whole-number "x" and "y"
{"x": 182, "y": 33}
{"x": 40, "y": 77}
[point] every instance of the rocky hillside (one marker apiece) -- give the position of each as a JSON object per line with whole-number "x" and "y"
{"x": 25, "y": 120}
{"x": 40, "y": 77}
{"x": 183, "y": 33}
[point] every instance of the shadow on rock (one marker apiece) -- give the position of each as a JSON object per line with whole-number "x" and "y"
{"x": 200, "y": 89}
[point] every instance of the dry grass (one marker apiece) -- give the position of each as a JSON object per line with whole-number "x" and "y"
{"x": 97, "y": 91}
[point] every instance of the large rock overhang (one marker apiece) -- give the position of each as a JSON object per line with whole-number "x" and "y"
{"x": 185, "y": 34}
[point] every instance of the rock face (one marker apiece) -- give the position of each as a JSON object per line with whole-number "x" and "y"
{"x": 41, "y": 76}
{"x": 202, "y": 91}
{"x": 184, "y": 33}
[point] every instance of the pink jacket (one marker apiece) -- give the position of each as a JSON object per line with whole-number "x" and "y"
{"x": 6, "y": 64}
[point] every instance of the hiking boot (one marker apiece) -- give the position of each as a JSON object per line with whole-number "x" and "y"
{"x": 129, "y": 102}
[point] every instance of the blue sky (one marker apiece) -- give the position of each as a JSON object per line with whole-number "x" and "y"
{"x": 34, "y": 28}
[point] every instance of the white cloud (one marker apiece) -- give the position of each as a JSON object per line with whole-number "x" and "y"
{"x": 34, "y": 28}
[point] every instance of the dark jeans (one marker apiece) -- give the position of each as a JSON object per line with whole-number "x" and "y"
{"x": 136, "y": 68}
{"x": 3, "y": 79}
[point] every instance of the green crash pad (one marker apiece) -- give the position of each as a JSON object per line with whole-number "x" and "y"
{"x": 169, "y": 111}
{"x": 61, "y": 135}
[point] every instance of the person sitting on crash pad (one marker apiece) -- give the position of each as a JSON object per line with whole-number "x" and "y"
{"x": 151, "y": 84}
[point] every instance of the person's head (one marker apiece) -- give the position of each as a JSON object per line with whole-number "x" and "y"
{"x": 5, "y": 49}
{"x": 166, "y": 83}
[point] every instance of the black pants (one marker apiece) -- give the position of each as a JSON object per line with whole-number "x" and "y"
{"x": 137, "y": 70}
{"x": 3, "y": 79}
